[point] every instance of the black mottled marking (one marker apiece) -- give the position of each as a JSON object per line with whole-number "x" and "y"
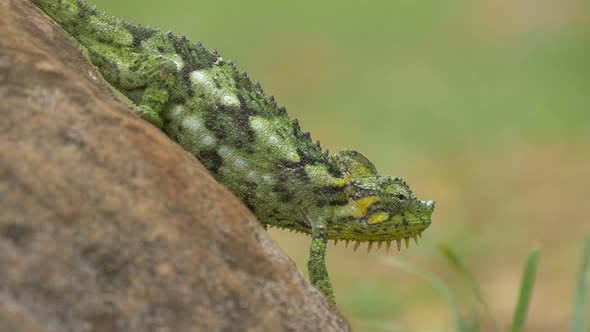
{"x": 301, "y": 174}
{"x": 247, "y": 103}
{"x": 274, "y": 213}
{"x": 342, "y": 220}
{"x": 185, "y": 78}
{"x": 297, "y": 168}
{"x": 333, "y": 168}
{"x": 194, "y": 56}
{"x": 135, "y": 67}
{"x": 330, "y": 196}
{"x": 283, "y": 191}
{"x": 19, "y": 234}
{"x": 249, "y": 195}
{"x": 139, "y": 33}
{"x": 230, "y": 126}
{"x": 217, "y": 84}
{"x": 211, "y": 160}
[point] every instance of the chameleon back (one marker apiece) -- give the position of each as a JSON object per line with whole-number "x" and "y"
{"x": 200, "y": 100}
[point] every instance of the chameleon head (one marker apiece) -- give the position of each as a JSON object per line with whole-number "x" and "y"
{"x": 379, "y": 208}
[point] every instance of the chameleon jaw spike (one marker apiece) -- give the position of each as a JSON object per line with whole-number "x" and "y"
{"x": 357, "y": 245}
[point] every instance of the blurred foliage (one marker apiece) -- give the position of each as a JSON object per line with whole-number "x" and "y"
{"x": 482, "y": 105}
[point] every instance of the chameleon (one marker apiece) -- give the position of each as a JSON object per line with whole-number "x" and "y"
{"x": 244, "y": 139}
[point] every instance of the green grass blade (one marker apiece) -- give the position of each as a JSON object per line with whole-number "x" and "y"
{"x": 457, "y": 263}
{"x": 474, "y": 319}
{"x": 579, "y": 318}
{"x": 438, "y": 284}
{"x": 526, "y": 290}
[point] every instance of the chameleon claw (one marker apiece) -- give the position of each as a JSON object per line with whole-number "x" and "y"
{"x": 335, "y": 241}
{"x": 420, "y": 235}
{"x": 407, "y": 241}
{"x": 379, "y": 245}
{"x": 388, "y": 245}
{"x": 416, "y": 240}
{"x": 399, "y": 244}
{"x": 346, "y": 243}
{"x": 369, "y": 246}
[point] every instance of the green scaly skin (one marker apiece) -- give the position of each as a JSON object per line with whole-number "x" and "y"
{"x": 246, "y": 141}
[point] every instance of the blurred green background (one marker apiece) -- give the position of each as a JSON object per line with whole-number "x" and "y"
{"x": 482, "y": 105}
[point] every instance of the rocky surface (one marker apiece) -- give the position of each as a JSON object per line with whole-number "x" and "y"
{"x": 108, "y": 225}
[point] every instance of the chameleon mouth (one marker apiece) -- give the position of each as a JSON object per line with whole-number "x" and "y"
{"x": 403, "y": 227}
{"x": 413, "y": 234}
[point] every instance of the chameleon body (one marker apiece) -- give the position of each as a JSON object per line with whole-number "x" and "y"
{"x": 244, "y": 139}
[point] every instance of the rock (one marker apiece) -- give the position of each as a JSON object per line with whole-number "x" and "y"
{"x": 108, "y": 225}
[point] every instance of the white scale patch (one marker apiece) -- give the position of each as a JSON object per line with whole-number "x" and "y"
{"x": 201, "y": 78}
{"x": 252, "y": 176}
{"x": 195, "y": 126}
{"x": 203, "y": 81}
{"x": 256, "y": 123}
{"x": 240, "y": 163}
{"x": 207, "y": 140}
{"x": 264, "y": 132}
{"x": 230, "y": 100}
{"x": 177, "y": 61}
{"x": 177, "y": 111}
{"x": 150, "y": 45}
{"x": 191, "y": 123}
{"x": 224, "y": 151}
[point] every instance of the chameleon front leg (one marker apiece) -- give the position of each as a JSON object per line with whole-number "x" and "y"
{"x": 151, "y": 104}
{"x": 145, "y": 79}
{"x": 318, "y": 274}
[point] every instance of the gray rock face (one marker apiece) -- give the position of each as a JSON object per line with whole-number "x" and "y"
{"x": 108, "y": 225}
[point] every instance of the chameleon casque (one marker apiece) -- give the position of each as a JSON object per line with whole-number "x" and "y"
{"x": 244, "y": 139}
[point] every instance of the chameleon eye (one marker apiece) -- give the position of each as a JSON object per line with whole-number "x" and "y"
{"x": 401, "y": 197}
